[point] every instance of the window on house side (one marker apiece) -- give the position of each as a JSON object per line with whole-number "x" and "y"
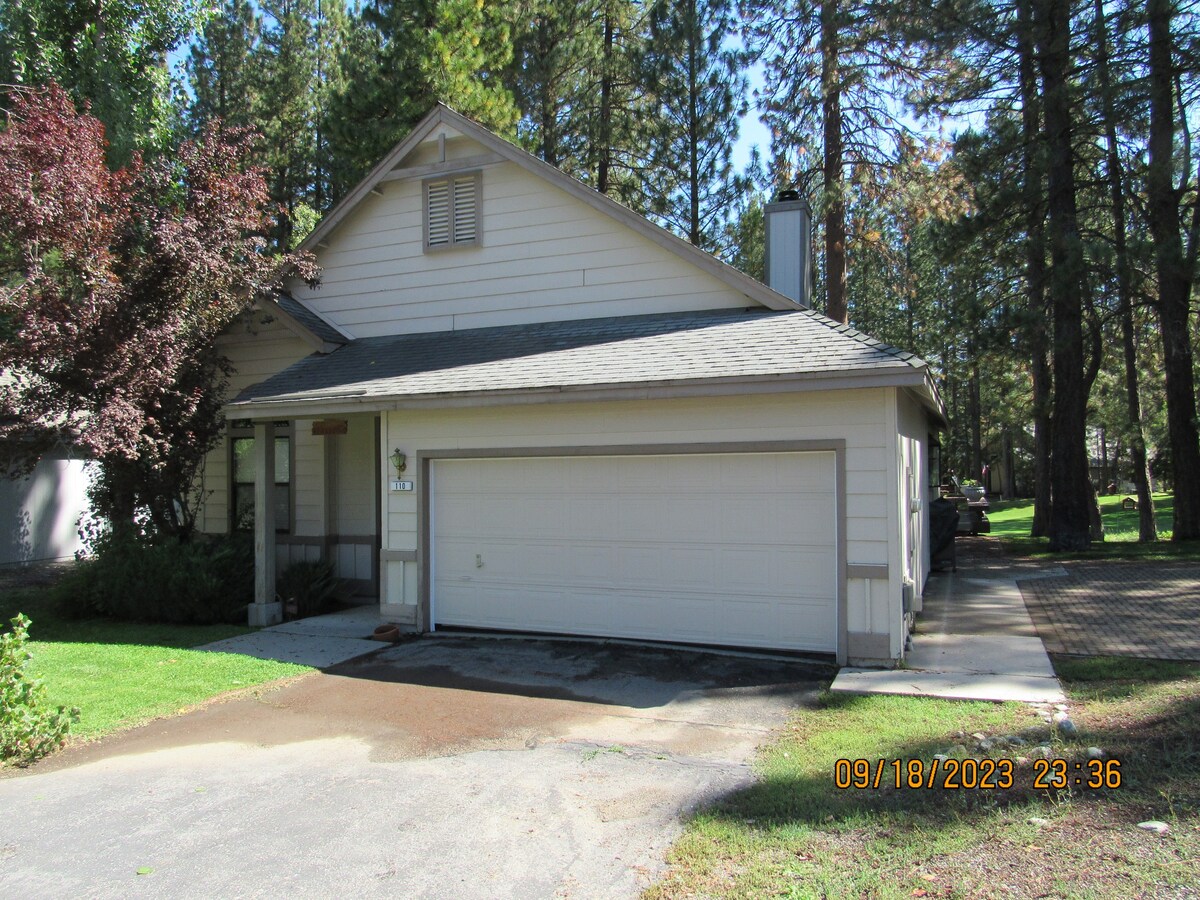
{"x": 241, "y": 506}
{"x": 452, "y": 211}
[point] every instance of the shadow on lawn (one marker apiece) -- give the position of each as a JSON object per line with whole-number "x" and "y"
{"x": 52, "y": 621}
{"x": 1157, "y": 748}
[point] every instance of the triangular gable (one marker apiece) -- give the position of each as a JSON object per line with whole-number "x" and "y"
{"x": 319, "y": 334}
{"x": 456, "y": 124}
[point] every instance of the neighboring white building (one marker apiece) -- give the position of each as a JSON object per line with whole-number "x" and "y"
{"x": 604, "y": 430}
{"x": 40, "y": 512}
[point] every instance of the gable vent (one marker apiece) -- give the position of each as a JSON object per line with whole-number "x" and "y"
{"x": 438, "y": 214}
{"x": 452, "y": 211}
{"x": 464, "y": 210}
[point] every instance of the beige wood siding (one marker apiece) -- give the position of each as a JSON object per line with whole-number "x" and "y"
{"x": 543, "y": 256}
{"x": 40, "y": 512}
{"x": 308, "y": 476}
{"x": 354, "y": 484}
{"x": 257, "y": 349}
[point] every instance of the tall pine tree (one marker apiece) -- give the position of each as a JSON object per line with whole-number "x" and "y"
{"x": 221, "y": 67}
{"x": 556, "y": 46}
{"x": 837, "y": 75}
{"x": 286, "y": 110}
{"x": 401, "y": 57}
{"x": 699, "y": 97}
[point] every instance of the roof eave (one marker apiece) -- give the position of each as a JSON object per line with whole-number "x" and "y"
{"x": 345, "y": 402}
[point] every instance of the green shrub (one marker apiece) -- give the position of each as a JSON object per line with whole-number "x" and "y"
{"x": 307, "y": 588}
{"x": 203, "y": 581}
{"x": 29, "y": 729}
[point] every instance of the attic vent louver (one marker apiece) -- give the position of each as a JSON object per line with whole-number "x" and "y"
{"x": 452, "y": 211}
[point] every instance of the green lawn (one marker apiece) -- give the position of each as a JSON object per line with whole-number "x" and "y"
{"x": 795, "y": 834}
{"x": 1011, "y": 521}
{"x": 121, "y": 673}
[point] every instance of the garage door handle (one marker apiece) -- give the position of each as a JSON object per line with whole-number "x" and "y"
{"x": 479, "y": 560}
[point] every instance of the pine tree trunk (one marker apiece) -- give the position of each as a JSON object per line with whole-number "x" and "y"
{"x": 1008, "y": 477}
{"x": 1104, "y": 479}
{"x": 835, "y": 211}
{"x": 1070, "y": 515}
{"x": 1147, "y": 527}
{"x": 694, "y": 40}
{"x": 1174, "y": 280}
{"x": 1035, "y": 270}
{"x": 604, "y": 134}
{"x": 549, "y": 121}
{"x": 975, "y": 414}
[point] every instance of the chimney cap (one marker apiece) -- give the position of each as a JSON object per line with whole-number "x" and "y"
{"x": 787, "y": 194}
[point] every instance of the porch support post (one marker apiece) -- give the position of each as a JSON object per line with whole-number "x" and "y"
{"x": 265, "y": 610}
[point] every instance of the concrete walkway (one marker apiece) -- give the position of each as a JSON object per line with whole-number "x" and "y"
{"x": 974, "y": 640}
{"x": 318, "y": 641}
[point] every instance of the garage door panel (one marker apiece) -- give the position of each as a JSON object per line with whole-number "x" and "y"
{"x": 683, "y": 518}
{"x": 744, "y": 570}
{"x": 587, "y": 562}
{"x": 715, "y": 549}
{"x": 541, "y": 515}
{"x": 593, "y": 516}
{"x": 749, "y": 518}
{"x": 460, "y": 510}
{"x": 637, "y": 567}
{"x": 689, "y": 566}
{"x": 485, "y": 521}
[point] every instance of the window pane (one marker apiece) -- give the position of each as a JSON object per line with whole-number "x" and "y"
{"x": 243, "y": 460}
{"x": 283, "y": 461}
{"x": 243, "y": 506}
{"x": 283, "y": 507}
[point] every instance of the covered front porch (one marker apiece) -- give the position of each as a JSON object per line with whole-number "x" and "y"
{"x": 313, "y": 488}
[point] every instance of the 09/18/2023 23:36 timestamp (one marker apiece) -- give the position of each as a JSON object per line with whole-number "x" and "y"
{"x": 974, "y": 774}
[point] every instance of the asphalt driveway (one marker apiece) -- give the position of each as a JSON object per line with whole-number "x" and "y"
{"x": 459, "y": 767}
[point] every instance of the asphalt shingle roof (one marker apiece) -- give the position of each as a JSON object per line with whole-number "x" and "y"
{"x": 310, "y": 319}
{"x": 674, "y": 347}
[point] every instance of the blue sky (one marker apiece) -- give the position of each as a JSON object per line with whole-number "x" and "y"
{"x": 752, "y": 131}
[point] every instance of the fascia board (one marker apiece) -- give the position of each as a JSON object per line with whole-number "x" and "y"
{"x": 712, "y": 387}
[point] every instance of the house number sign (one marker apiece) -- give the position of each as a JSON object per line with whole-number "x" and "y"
{"x": 402, "y": 485}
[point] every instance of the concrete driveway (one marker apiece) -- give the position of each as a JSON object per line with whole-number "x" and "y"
{"x": 445, "y": 767}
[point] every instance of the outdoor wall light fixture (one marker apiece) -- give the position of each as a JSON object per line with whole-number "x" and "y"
{"x": 399, "y": 460}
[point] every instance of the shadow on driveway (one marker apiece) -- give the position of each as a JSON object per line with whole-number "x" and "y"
{"x": 449, "y": 695}
{"x": 439, "y": 768}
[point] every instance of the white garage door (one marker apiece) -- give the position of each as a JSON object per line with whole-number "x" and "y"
{"x": 736, "y": 549}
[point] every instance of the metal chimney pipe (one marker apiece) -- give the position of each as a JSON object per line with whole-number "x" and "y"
{"x": 789, "y": 246}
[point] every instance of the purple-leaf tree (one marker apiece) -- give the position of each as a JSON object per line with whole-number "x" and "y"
{"x": 114, "y": 286}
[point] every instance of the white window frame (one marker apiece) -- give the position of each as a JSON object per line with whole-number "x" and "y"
{"x": 449, "y": 179}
